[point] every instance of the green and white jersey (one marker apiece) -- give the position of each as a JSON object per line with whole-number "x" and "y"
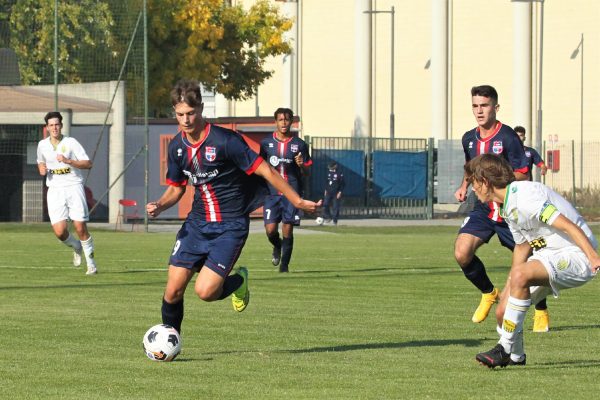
{"x": 61, "y": 174}
{"x": 530, "y": 208}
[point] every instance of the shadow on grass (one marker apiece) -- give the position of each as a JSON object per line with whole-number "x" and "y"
{"x": 574, "y": 327}
{"x": 81, "y": 285}
{"x": 375, "y": 346}
{"x": 562, "y": 364}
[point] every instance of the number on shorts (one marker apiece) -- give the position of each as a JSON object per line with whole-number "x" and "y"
{"x": 176, "y": 247}
{"x": 268, "y": 212}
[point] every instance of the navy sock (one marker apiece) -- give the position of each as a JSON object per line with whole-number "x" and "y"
{"x": 475, "y": 272}
{"x": 232, "y": 282}
{"x": 172, "y": 314}
{"x": 274, "y": 239}
{"x": 287, "y": 246}
{"x": 541, "y": 305}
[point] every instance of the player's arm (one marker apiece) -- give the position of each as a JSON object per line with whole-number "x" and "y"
{"x": 521, "y": 253}
{"x": 79, "y": 164}
{"x": 170, "y": 197}
{"x": 270, "y": 175}
{"x": 42, "y": 168}
{"x": 565, "y": 225}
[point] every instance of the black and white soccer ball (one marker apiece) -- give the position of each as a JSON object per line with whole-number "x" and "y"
{"x": 162, "y": 343}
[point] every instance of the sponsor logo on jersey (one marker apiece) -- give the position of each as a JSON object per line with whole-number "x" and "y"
{"x": 200, "y": 178}
{"x": 470, "y": 145}
{"x": 294, "y": 148}
{"x": 210, "y": 153}
{"x": 528, "y": 154}
{"x": 271, "y": 145}
{"x": 274, "y": 161}
{"x": 497, "y": 147}
{"x": 60, "y": 171}
{"x": 179, "y": 152}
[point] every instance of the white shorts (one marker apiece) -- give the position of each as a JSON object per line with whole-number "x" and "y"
{"x": 567, "y": 268}
{"x": 67, "y": 203}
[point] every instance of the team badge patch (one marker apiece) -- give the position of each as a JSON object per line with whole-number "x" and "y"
{"x": 210, "y": 153}
{"x": 497, "y": 147}
{"x": 294, "y": 148}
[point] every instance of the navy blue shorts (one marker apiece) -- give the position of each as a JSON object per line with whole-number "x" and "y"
{"x": 480, "y": 225}
{"x": 217, "y": 245}
{"x": 279, "y": 209}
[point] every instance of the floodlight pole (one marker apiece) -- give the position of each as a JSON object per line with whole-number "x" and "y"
{"x": 55, "y": 55}
{"x": 392, "y": 118}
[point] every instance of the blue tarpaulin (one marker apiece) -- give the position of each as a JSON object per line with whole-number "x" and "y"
{"x": 400, "y": 174}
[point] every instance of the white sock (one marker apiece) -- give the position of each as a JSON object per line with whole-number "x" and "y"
{"x": 88, "y": 250}
{"x": 70, "y": 241}
{"x": 512, "y": 324}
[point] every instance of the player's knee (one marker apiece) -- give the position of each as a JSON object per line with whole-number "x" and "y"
{"x": 462, "y": 255}
{"x": 173, "y": 296}
{"x": 518, "y": 278}
{"x": 206, "y": 293}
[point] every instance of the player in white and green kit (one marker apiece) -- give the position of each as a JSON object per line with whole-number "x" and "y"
{"x": 554, "y": 249}
{"x": 60, "y": 159}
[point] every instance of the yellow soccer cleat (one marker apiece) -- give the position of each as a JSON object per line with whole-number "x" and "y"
{"x": 485, "y": 305}
{"x": 541, "y": 321}
{"x": 241, "y": 297}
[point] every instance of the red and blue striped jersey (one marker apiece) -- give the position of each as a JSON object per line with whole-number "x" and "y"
{"x": 280, "y": 155}
{"x": 504, "y": 142}
{"x": 221, "y": 168}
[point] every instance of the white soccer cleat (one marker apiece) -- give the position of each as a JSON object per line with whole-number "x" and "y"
{"x": 91, "y": 270}
{"x": 76, "y": 258}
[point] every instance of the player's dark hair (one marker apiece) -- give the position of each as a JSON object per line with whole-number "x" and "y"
{"x": 286, "y": 111}
{"x": 53, "y": 114}
{"x": 332, "y": 165}
{"x": 519, "y": 129}
{"x": 485, "y": 91}
{"x": 188, "y": 92}
{"x": 490, "y": 169}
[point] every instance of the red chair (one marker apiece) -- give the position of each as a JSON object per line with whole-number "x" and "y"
{"x": 128, "y": 212}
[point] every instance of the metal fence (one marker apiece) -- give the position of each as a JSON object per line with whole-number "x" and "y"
{"x": 384, "y": 178}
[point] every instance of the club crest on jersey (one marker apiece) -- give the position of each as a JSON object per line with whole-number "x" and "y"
{"x": 210, "y": 153}
{"x": 497, "y": 147}
{"x": 294, "y": 148}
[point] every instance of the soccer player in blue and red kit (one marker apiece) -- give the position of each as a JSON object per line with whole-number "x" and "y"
{"x": 490, "y": 136}
{"x": 533, "y": 157}
{"x": 225, "y": 173}
{"x": 288, "y": 154}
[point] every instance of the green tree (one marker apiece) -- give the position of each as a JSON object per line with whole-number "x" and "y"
{"x": 222, "y": 46}
{"x": 84, "y": 37}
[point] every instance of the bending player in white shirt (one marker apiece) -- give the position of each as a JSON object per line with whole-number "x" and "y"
{"x": 60, "y": 160}
{"x": 564, "y": 249}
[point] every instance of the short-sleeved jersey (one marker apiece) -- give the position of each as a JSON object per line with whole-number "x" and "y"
{"x": 504, "y": 142}
{"x": 530, "y": 208}
{"x": 280, "y": 155}
{"x": 61, "y": 174}
{"x": 335, "y": 181}
{"x": 221, "y": 169}
{"x": 533, "y": 158}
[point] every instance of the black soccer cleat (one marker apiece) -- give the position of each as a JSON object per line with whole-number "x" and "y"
{"x": 276, "y": 256}
{"x": 496, "y": 357}
{"x": 522, "y": 362}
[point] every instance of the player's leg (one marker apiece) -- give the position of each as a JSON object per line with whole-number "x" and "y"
{"x": 287, "y": 246}
{"x": 78, "y": 213}
{"x": 475, "y": 231}
{"x": 522, "y": 276}
{"x": 336, "y": 209}
{"x": 541, "y": 318}
{"x": 214, "y": 281}
{"x": 271, "y": 218}
{"x": 172, "y": 303}
{"x": 326, "y": 207}
{"x": 59, "y": 213}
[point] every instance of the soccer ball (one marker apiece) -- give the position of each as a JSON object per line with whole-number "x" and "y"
{"x": 319, "y": 221}
{"x": 162, "y": 343}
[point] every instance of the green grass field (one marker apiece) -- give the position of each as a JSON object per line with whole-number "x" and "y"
{"x": 366, "y": 313}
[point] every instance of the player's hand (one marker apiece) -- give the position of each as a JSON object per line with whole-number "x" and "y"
{"x": 310, "y": 206}
{"x": 43, "y": 169}
{"x": 339, "y": 195}
{"x": 595, "y": 264}
{"x": 153, "y": 209}
{"x": 61, "y": 158}
{"x": 544, "y": 169}
{"x": 461, "y": 194}
{"x": 299, "y": 160}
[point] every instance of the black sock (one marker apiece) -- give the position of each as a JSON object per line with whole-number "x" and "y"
{"x": 232, "y": 282}
{"x": 541, "y": 305}
{"x": 287, "y": 245}
{"x": 475, "y": 272}
{"x": 172, "y": 314}
{"x": 274, "y": 239}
